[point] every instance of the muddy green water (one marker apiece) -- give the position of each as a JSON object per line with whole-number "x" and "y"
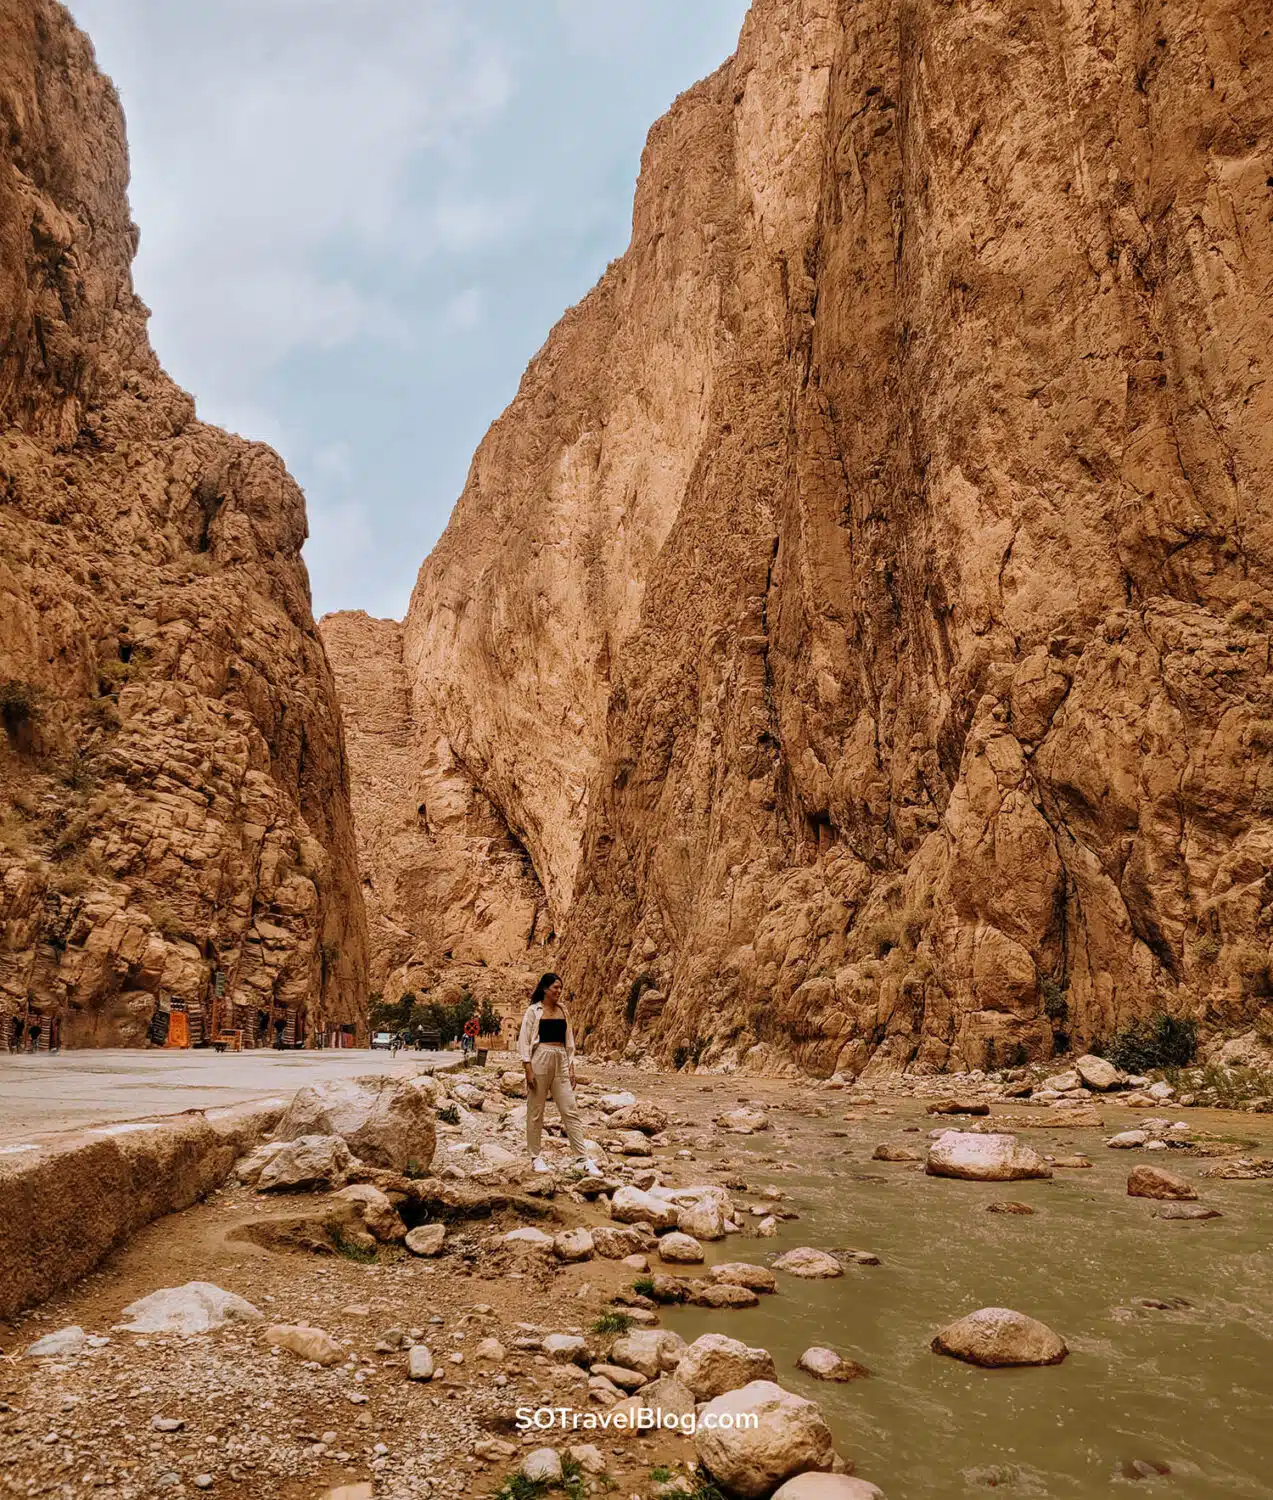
{"x": 1191, "y": 1388}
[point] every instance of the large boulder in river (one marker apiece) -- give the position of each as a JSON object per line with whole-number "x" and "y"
{"x": 826, "y": 1364}
{"x": 1096, "y": 1073}
{"x": 743, "y": 1273}
{"x": 997, "y": 1336}
{"x": 385, "y": 1121}
{"x": 704, "y": 1218}
{"x": 983, "y": 1158}
{"x": 810, "y": 1263}
{"x": 309, "y": 1161}
{"x": 614, "y": 1242}
{"x": 790, "y": 1437}
{"x": 715, "y": 1363}
{"x": 643, "y": 1116}
{"x": 1153, "y": 1182}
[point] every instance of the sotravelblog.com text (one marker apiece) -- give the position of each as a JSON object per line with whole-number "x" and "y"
{"x": 644, "y": 1419}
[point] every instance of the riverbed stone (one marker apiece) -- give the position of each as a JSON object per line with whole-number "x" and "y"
{"x": 419, "y": 1363}
{"x": 715, "y": 1363}
{"x": 721, "y": 1294}
{"x": 997, "y": 1336}
{"x": 653, "y": 1351}
{"x": 810, "y": 1263}
{"x": 197, "y": 1307}
{"x": 312, "y": 1344}
{"x": 639, "y": 1115}
{"x": 790, "y": 1437}
{"x": 631, "y": 1206}
{"x": 384, "y": 1120}
{"x": 63, "y": 1344}
{"x": 704, "y": 1219}
{"x": 743, "y": 1121}
{"x": 620, "y": 1375}
{"x": 743, "y": 1273}
{"x": 1154, "y": 1182}
{"x": 528, "y": 1238}
{"x": 376, "y": 1211}
{"x": 682, "y": 1249}
{"x": 828, "y": 1487}
{"x": 886, "y": 1151}
{"x": 1097, "y": 1073}
{"x": 612, "y": 1103}
{"x": 617, "y": 1242}
{"x": 984, "y": 1158}
{"x": 669, "y": 1396}
{"x": 426, "y": 1239}
{"x": 959, "y": 1107}
{"x": 567, "y": 1348}
{"x": 307, "y": 1161}
{"x": 1186, "y": 1211}
{"x": 573, "y": 1245}
{"x": 826, "y": 1364}
{"x": 542, "y": 1466}
{"x": 1128, "y": 1140}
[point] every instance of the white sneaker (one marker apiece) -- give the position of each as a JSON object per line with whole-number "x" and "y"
{"x": 540, "y": 1165}
{"x": 589, "y": 1167}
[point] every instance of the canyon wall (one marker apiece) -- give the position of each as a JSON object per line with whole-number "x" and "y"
{"x": 862, "y": 613}
{"x": 175, "y": 803}
{"x": 452, "y": 899}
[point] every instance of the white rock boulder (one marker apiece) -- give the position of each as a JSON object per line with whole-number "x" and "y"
{"x": 810, "y": 1263}
{"x": 309, "y": 1161}
{"x": 983, "y": 1158}
{"x": 715, "y": 1363}
{"x": 996, "y": 1336}
{"x": 789, "y": 1437}
{"x": 197, "y": 1307}
{"x": 385, "y": 1121}
{"x": 631, "y": 1206}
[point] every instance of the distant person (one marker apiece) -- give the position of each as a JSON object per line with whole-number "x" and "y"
{"x": 546, "y": 1046}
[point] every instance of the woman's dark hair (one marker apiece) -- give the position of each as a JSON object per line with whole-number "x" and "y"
{"x": 545, "y": 982}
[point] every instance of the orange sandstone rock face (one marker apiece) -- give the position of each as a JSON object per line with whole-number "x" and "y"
{"x": 172, "y": 768}
{"x": 452, "y": 898}
{"x": 862, "y": 613}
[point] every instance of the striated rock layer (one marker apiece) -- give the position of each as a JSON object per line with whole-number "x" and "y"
{"x": 172, "y": 769}
{"x": 452, "y": 898}
{"x": 862, "y": 613}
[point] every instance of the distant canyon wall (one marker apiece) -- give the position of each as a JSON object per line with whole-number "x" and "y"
{"x": 453, "y": 901}
{"x": 862, "y": 613}
{"x": 172, "y": 774}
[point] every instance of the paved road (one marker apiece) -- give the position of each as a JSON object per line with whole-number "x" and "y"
{"x": 71, "y": 1089}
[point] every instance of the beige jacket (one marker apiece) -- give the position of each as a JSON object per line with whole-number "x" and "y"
{"x": 526, "y": 1037}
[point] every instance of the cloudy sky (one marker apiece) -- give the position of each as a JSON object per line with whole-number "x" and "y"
{"x": 360, "y": 218}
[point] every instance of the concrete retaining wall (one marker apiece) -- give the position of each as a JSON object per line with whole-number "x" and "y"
{"x": 67, "y": 1201}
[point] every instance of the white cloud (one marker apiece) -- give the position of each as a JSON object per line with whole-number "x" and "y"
{"x": 281, "y": 177}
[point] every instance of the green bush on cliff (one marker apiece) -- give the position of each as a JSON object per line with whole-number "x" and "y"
{"x": 1159, "y": 1041}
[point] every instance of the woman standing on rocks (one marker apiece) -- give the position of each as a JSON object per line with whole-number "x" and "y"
{"x": 546, "y": 1046}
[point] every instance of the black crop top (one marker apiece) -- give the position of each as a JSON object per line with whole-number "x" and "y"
{"x": 552, "y": 1029}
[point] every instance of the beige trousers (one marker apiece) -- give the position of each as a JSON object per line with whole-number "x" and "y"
{"x": 552, "y": 1076}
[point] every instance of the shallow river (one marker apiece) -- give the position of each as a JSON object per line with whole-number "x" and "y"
{"x": 1190, "y": 1388}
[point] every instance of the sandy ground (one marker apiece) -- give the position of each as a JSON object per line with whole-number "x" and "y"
{"x": 255, "y": 1420}
{"x": 39, "y": 1092}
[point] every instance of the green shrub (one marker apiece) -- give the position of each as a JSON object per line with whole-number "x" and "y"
{"x": 643, "y": 1286}
{"x": 1056, "y": 1005}
{"x": 1207, "y": 948}
{"x": 1159, "y": 1041}
{"x": 449, "y": 1114}
{"x": 612, "y": 1322}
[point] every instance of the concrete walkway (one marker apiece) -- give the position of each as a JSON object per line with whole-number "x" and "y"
{"x": 72, "y": 1089}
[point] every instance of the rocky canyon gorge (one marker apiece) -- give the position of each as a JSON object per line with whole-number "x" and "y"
{"x": 176, "y": 838}
{"x": 861, "y": 616}
{"x": 850, "y": 650}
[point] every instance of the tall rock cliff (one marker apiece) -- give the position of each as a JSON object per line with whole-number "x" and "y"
{"x": 176, "y": 823}
{"x": 453, "y": 901}
{"x": 862, "y": 613}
